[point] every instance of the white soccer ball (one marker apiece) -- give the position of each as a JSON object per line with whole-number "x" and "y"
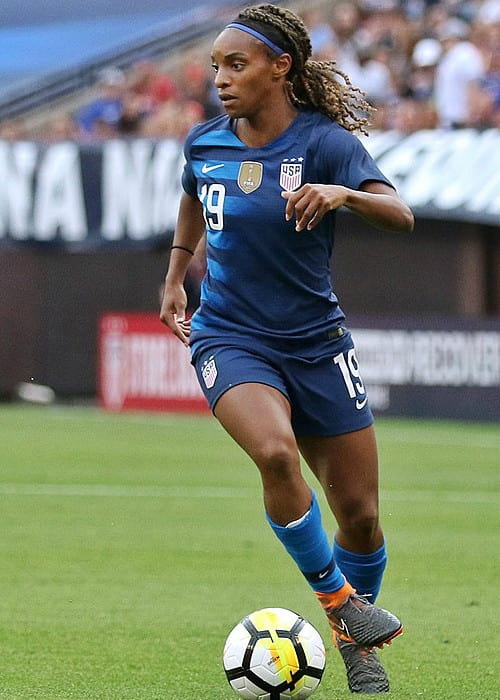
{"x": 274, "y": 653}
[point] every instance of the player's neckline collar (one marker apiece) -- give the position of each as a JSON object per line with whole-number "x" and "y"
{"x": 233, "y": 123}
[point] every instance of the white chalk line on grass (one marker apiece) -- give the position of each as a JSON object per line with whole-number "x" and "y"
{"x": 224, "y": 492}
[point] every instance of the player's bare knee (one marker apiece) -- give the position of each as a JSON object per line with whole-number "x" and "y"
{"x": 361, "y": 522}
{"x": 277, "y": 459}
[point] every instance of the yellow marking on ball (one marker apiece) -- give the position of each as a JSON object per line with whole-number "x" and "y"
{"x": 282, "y": 652}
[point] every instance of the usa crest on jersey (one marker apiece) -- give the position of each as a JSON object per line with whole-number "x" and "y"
{"x": 291, "y": 174}
{"x": 209, "y": 372}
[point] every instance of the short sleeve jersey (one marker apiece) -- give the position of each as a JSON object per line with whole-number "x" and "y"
{"x": 264, "y": 279}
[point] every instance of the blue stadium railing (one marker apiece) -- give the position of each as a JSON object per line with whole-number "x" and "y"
{"x": 170, "y": 35}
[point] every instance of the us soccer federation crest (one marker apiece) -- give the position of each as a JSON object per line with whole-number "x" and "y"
{"x": 291, "y": 173}
{"x": 250, "y": 176}
{"x": 209, "y": 372}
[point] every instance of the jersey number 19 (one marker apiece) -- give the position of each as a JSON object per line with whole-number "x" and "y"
{"x": 212, "y": 198}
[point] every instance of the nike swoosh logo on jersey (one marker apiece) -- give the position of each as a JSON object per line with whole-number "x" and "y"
{"x": 323, "y": 574}
{"x": 361, "y": 404}
{"x": 208, "y": 168}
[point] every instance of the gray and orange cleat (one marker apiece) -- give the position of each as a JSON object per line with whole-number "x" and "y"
{"x": 364, "y": 623}
{"x": 365, "y": 673}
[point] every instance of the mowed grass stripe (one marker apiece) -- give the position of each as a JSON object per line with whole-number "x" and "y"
{"x": 221, "y": 492}
{"x": 119, "y": 491}
{"x": 438, "y": 433}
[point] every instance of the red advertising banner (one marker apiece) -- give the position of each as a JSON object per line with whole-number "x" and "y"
{"x": 410, "y": 366}
{"x": 142, "y": 366}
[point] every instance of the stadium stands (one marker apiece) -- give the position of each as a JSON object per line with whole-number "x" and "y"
{"x": 52, "y": 50}
{"x": 400, "y": 53}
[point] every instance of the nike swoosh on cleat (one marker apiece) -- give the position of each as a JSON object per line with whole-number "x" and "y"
{"x": 342, "y": 627}
{"x": 208, "y": 168}
{"x": 361, "y": 404}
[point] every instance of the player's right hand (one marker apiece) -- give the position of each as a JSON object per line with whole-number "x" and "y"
{"x": 173, "y": 312}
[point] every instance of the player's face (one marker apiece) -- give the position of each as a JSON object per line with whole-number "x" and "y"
{"x": 245, "y": 76}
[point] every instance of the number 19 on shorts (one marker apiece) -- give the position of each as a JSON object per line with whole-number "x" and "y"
{"x": 348, "y": 364}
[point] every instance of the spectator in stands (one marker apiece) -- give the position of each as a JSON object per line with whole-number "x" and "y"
{"x": 62, "y": 128}
{"x": 386, "y": 27}
{"x": 489, "y": 12}
{"x": 346, "y": 20}
{"x": 132, "y": 115}
{"x": 150, "y": 85}
{"x": 100, "y": 117}
{"x": 416, "y": 108}
{"x": 103, "y": 130}
{"x": 196, "y": 85}
{"x": 172, "y": 120}
{"x": 322, "y": 36}
{"x": 13, "y": 130}
{"x": 460, "y": 64}
{"x": 407, "y": 116}
{"x": 414, "y": 59}
{"x": 484, "y": 94}
{"x": 422, "y": 73}
{"x": 373, "y": 75}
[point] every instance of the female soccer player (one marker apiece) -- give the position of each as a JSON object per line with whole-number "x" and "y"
{"x": 272, "y": 353}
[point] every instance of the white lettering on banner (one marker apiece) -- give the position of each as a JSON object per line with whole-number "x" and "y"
{"x": 55, "y": 206}
{"x": 452, "y": 170}
{"x": 126, "y": 189}
{"x": 140, "y": 189}
{"x": 429, "y": 358}
{"x": 425, "y": 180}
{"x": 398, "y": 164}
{"x": 378, "y": 142}
{"x": 113, "y": 386}
{"x": 156, "y": 367}
{"x": 168, "y": 164}
{"x": 43, "y": 196}
{"x": 468, "y": 152}
{"x": 17, "y": 168}
{"x": 58, "y": 204}
{"x": 487, "y": 197}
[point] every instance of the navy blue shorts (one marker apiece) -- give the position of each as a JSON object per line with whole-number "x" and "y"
{"x": 322, "y": 381}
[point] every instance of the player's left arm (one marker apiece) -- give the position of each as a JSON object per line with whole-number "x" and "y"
{"x": 375, "y": 201}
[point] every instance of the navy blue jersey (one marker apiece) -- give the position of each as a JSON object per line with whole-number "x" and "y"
{"x": 264, "y": 278}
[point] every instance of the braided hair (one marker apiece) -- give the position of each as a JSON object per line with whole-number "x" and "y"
{"x": 317, "y": 85}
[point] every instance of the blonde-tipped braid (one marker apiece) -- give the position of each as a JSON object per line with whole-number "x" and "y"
{"x": 317, "y": 85}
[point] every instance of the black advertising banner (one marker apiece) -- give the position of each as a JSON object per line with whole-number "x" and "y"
{"x": 452, "y": 175}
{"x": 120, "y": 192}
{"x": 442, "y": 368}
{"x": 127, "y": 192}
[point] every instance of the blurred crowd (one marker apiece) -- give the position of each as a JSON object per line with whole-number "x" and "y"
{"x": 144, "y": 101}
{"x": 422, "y": 64}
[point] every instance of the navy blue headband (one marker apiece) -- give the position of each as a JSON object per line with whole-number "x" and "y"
{"x": 258, "y": 35}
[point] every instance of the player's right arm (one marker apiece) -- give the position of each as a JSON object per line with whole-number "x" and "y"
{"x": 188, "y": 233}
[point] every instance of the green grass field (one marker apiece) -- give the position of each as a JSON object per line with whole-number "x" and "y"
{"x": 131, "y": 544}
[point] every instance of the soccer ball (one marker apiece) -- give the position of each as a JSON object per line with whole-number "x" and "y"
{"x": 274, "y": 653}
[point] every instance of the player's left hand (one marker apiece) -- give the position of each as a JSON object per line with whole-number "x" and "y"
{"x": 311, "y": 202}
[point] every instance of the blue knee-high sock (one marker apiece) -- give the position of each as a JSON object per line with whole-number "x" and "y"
{"x": 363, "y": 571}
{"x": 307, "y": 543}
